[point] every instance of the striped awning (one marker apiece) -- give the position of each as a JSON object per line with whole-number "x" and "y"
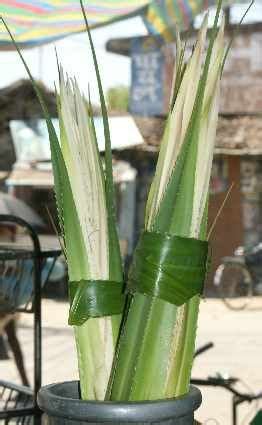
{"x": 162, "y": 15}
{"x": 35, "y": 22}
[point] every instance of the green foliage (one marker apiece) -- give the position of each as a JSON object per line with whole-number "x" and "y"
{"x": 95, "y": 353}
{"x": 155, "y": 352}
{"x": 117, "y": 98}
{"x": 153, "y": 358}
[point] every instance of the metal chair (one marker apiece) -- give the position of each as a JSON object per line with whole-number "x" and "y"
{"x": 23, "y": 272}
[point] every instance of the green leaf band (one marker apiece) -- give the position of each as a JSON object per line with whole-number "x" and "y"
{"x": 172, "y": 268}
{"x": 94, "y": 298}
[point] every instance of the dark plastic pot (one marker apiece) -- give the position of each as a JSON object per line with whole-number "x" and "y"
{"x": 62, "y": 405}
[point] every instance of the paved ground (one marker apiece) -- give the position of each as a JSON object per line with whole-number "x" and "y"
{"x": 238, "y": 351}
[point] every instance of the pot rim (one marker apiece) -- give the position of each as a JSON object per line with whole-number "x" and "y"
{"x": 54, "y": 404}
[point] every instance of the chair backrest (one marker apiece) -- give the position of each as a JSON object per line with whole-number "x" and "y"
{"x": 19, "y": 267}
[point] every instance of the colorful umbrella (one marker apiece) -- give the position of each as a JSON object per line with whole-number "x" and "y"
{"x": 35, "y": 22}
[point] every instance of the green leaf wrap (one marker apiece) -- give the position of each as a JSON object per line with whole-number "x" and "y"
{"x": 172, "y": 268}
{"x": 94, "y": 298}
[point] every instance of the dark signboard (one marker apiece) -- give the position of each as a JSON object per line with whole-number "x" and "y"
{"x": 147, "y": 90}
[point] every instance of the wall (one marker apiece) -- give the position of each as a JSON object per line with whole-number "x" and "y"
{"x": 228, "y": 231}
{"x": 251, "y": 186}
{"x": 241, "y": 82}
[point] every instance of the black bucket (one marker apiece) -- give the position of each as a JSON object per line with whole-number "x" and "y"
{"x": 62, "y": 405}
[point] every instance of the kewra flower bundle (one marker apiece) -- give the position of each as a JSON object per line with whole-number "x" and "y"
{"x": 135, "y": 339}
{"x": 156, "y": 346}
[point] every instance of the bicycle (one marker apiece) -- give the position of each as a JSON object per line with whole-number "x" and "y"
{"x": 239, "y": 277}
{"x": 228, "y": 384}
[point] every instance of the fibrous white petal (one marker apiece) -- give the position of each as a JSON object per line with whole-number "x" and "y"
{"x": 80, "y": 154}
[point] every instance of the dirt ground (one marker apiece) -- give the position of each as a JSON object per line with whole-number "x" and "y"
{"x": 237, "y": 336}
{"x": 237, "y": 352}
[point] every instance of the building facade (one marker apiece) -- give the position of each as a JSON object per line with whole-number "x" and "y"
{"x": 238, "y": 155}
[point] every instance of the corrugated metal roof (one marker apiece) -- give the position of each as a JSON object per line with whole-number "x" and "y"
{"x": 31, "y": 142}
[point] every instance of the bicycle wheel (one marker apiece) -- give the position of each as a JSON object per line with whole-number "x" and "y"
{"x": 234, "y": 284}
